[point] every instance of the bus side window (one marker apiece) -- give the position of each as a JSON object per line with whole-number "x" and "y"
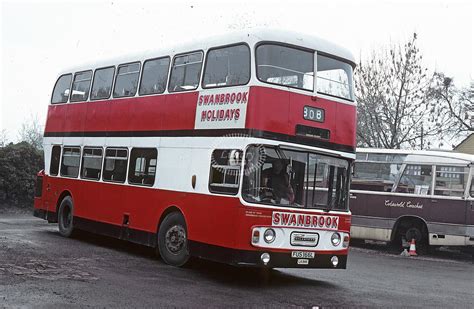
{"x": 185, "y": 72}
{"x": 416, "y": 179}
{"x": 227, "y": 66}
{"x": 225, "y": 171}
{"x": 91, "y": 163}
{"x": 70, "y": 162}
{"x": 142, "y": 168}
{"x": 451, "y": 180}
{"x": 374, "y": 176}
{"x": 61, "y": 89}
{"x": 54, "y": 164}
{"x": 154, "y": 76}
{"x": 81, "y": 86}
{"x": 126, "y": 81}
{"x": 472, "y": 187}
{"x": 115, "y": 165}
{"x": 102, "y": 84}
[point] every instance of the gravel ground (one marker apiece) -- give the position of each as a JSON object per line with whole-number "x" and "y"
{"x": 39, "y": 268}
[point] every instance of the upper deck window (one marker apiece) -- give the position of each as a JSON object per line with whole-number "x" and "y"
{"x": 154, "y": 76}
{"x": 227, "y": 66}
{"x": 81, "y": 86}
{"x": 126, "y": 82}
{"x": 285, "y": 66}
{"x": 185, "y": 72}
{"x": 102, "y": 85}
{"x": 334, "y": 78}
{"x": 61, "y": 89}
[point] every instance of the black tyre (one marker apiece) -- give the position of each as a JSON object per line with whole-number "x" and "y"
{"x": 66, "y": 217}
{"x": 420, "y": 237}
{"x": 173, "y": 240}
{"x": 414, "y": 233}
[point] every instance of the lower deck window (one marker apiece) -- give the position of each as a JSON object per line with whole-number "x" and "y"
{"x": 91, "y": 163}
{"x": 70, "y": 162}
{"x": 115, "y": 164}
{"x": 55, "y": 158}
{"x": 225, "y": 171}
{"x": 142, "y": 169}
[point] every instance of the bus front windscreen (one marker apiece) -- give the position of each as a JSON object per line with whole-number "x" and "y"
{"x": 282, "y": 177}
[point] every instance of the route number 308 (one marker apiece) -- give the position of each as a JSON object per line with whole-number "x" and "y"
{"x": 313, "y": 114}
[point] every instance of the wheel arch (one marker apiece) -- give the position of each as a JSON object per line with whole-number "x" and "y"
{"x": 408, "y": 218}
{"x": 60, "y": 199}
{"x": 167, "y": 211}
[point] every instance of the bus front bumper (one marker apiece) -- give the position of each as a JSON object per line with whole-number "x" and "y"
{"x": 251, "y": 258}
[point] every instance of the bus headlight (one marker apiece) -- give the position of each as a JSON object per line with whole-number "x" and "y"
{"x": 269, "y": 236}
{"x": 335, "y": 239}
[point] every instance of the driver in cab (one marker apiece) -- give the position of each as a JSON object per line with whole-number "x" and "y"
{"x": 278, "y": 180}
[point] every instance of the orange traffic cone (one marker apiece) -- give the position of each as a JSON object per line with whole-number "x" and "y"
{"x": 412, "y": 251}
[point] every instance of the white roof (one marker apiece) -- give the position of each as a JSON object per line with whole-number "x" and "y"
{"x": 425, "y": 156}
{"x": 250, "y": 36}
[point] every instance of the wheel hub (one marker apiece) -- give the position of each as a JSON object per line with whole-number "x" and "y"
{"x": 175, "y": 239}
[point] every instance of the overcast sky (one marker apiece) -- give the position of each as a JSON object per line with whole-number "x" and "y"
{"x": 39, "y": 38}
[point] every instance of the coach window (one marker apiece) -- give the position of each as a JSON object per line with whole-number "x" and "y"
{"x": 451, "y": 180}
{"x": 185, "y": 72}
{"x": 285, "y": 66}
{"x": 225, "y": 171}
{"x": 70, "y": 162}
{"x": 416, "y": 179}
{"x": 126, "y": 82}
{"x": 142, "y": 168}
{"x": 154, "y": 76}
{"x": 471, "y": 192}
{"x": 54, "y": 164}
{"x": 102, "y": 85}
{"x": 115, "y": 164}
{"x": 91, "y": 163}
{"x": 227, "y": 66}
{"x": 81, "y": 86}
{"x": 334, "y": 78}
{"x": 61, "y": 89}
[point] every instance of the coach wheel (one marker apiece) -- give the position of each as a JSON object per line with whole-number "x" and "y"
{"x": 413, "y": 233}
{"x": 421, "y": 240}
{"x": 65, "y": 217}
{"x": 173, "y": 241}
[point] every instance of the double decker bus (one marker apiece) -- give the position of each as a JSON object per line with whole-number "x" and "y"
{"x": 235, "y": 149}
{"x": 400, "y": 195}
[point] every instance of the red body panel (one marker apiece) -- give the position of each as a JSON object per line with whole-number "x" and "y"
{"x": 268, "y": 109}
{"x": 215, "y": 220}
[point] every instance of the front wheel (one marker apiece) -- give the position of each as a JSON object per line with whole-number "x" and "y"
{"x": 173, "y": 241}
{"x": 66, "y": 217}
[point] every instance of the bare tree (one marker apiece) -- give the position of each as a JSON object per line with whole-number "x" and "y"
{"x": 3, "y": 138}
{"x": 394, "y": 109}
{"x": 32, "y": 132}
{"x": 459, "y": 103}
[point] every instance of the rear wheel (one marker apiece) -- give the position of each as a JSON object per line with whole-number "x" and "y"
{"x": 66, "y": 217}
{"x": 173, "y": 241}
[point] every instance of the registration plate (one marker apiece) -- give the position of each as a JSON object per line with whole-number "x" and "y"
{"x": 313, "y": 114}
{"x": 302, "y": 255}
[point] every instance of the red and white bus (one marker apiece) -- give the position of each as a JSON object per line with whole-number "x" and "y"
{"x": 227, "y": 149}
